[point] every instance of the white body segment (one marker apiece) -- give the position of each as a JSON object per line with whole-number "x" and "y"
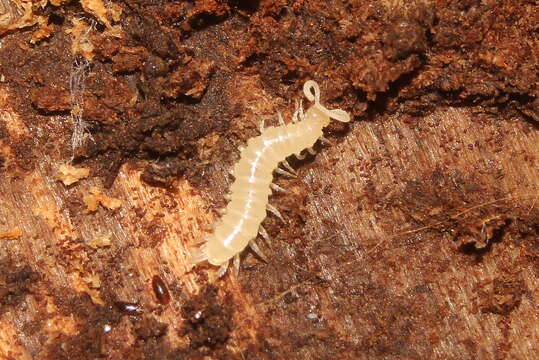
{"x": 253, "y": 174}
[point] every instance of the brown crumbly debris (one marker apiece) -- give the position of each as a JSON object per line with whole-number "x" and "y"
{"x": 482, "y": 233}
{"x": 69, "y": 174}
{"x": 96, "y": 8}
{"x": 80, "y": 42}
{"x": 16, "y": 282}
{"x": 58, "y": 2}
{"x": 58, "y": 325}
{"x": 88, "y": 284}
{"x": 104, "y": 13}
{"x": 96, "y": 197}
{"x": 115, "y": 11}
{"x": 207, "y": 319}
{"x": 45, "y": 30}
{"x": 16, "y": 15}
{"x": 129, "y": 59}
{"x": 51, "y": 99}
{"x": 503, "y": 296}
{"x": 12, "y": 234}
{"x": 190, "y": 81}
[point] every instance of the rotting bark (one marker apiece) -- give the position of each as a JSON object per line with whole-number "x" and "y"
{"x": 413, "y": 236}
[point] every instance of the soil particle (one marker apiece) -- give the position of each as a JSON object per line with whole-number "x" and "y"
{"x": 208, "y": 320}
{"x": 3, "y": 129}
{"x": 165, "y": 172}
{"x": 83, "y": 346}
{"x": 149, "y": 328}
{"x": 402, "y": 38}
{"x": 154, "y": 231}
{"x": 144, "y": 29}
{"x": 155, "y": 66}
{"x": 129, "y": 59}
{"x": 51, "y": 99}
{"x": 479, "y": 237}
{"x": 22, "y": 149}
{"x": 15, "y": 283}
{"x": 190, "y": 81}
{"x": 89, "y": 340}
{"x": 505, "y": 296}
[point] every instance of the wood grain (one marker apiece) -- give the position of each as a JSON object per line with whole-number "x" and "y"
{"x": 393, "y": 260}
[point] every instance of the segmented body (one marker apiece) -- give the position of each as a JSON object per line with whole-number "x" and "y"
{"x": 253, "y": 174}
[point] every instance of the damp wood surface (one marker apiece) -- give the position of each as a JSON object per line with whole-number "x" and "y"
{"x": 414, "y": 235}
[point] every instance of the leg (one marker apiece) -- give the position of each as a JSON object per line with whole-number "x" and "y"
{"x": 275, "y": 212}
{"x": 280, "y": 117}
{"x": 257, "y": 250}
{"x": 301, "y": 113}
{"x": 298, "y": 114}
{"x": 284, "y": 172}
{"x": 324, "y": 140}
{"x": 277, "y": 188}
{"x": 201, "y": 241}
{"x": 236, "y": 264}
{"x": 264, "y": 234}
{"x": 261, "y": 126}
{"x": 311, "y": 151}
{"x": 288, "y": 167}
{"x": 295, "y": 115}
{"x": 300, "y": 157}
{"x": 222, "y": 270}
{"x": 197, "y": 256}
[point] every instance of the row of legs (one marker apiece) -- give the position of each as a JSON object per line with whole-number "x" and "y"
{"x": 287, "y": 170}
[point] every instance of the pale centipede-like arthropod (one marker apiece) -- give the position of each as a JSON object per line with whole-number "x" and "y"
{"x": 242, "y": 217}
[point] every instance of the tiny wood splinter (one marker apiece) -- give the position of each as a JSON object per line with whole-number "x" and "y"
{"x": 253, "y": 173}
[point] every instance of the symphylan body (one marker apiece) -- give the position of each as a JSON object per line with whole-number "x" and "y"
{"x": 241, "y": 222}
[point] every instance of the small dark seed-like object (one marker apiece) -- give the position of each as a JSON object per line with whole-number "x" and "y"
{"x": 160, "y": 290}
{"x": 129, "y": 308}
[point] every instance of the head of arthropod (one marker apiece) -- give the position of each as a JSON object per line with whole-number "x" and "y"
{"x": 318, "y": 113}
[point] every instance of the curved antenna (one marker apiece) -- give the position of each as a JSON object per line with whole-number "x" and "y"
{"x": 339, "y": 115}
{"x": 312, "y": 93}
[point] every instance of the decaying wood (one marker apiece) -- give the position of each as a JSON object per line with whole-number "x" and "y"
{"x": 390, "y": 257}
{"x": 414, "y": 235}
